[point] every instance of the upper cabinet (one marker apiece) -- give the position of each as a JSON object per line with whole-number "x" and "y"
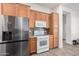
{"x": 47, "y": 20}
{"x": 43, "y": 17}
{"x": 0, "y": 9}
{"x": 38, "y": 15}
{"x": 32, "y": 19}
{"x": 23, "y": 10}
{"x": 35, "y": 16}
{"x": 53, "y": 22}
{"x": 9, "y": 9}
{"x": 15, "y": 9}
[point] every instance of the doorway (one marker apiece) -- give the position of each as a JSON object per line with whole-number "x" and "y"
{"x": 66, "y": 28}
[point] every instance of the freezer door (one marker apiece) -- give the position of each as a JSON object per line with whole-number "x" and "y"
{"x": 22, "y": 49}
{"x": 17, "y": 49}
{"x": 3, "y": 50}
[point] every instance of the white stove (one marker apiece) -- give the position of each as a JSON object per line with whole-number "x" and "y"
{"x": 42, "y": 38}
{"x": 42, "y": 43}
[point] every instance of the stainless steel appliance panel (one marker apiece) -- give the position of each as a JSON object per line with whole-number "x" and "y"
{"x": 21, "y": 28}
{"x": 18, "y": 44}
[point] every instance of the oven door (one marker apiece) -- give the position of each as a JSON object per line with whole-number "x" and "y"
{"x": 42, "y": 42}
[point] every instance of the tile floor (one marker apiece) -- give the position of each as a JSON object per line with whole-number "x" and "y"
{"x": 67, "y": 50}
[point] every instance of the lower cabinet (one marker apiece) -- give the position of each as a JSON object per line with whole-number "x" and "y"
{"x": 32, "y": 45}
{"x": 55, "y": 42}
{"x": 51, "y": 41}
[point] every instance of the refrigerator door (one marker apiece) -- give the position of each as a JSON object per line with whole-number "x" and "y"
{"x": 18, "y": 26}
{"x": 8, "y": 25}
{"x": 22, "y": 33}
{"x": 21, "y": 23}
{"x": 21, "y": 28}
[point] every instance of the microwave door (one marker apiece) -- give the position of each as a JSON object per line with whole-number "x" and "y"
{"x": 40, "y": 24}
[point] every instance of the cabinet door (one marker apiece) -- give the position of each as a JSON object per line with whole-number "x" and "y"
{"x": 47, "y": 20}
{"x": 0, "y": 8}
{"x": 55, "y": 29}
{"x": 38, "y": 15}
{"x": 32, "y": 45}
{"x": 9, "y": 9}
{"x": 55, "y": 42}
{"x": 51, "y": 42}
{"x": 55, "y": 20}
{"x": 23, "y": 10}
{"x": 43, "y": 17}
{"x": 32, "y": 19}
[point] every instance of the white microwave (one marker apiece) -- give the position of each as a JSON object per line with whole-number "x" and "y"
{"x": 40, "y": 24}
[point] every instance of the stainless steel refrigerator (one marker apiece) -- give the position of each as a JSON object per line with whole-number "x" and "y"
{"x": 15, "y": 35}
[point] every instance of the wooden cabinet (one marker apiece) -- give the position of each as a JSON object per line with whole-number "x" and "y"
{"x": 32, "y": 19}
{"x": 38, "y": 15}
{"x": 54, "y": 28}
{"x": 14, "y": 9}
{"x": 9, "y": 9}
{"x": 51, "y": 41}
{"x": 33, "y": 45}
{"x": 55, "y": 44}
{"x": 23, "y": 10}
{"x": 43, "y": 17}
{"x": 0, "y": 8}
{"x": 47, "y": 20}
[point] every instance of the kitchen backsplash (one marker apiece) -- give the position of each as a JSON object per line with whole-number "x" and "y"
{"x": 31, "y": 32}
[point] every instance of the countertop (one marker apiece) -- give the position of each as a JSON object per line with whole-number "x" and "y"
{"x": 14, "y": 41}
{"x": 32, "y": 37}
{"x": 39, "y": 35}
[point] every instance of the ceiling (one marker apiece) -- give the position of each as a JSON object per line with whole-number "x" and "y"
{"x": 49, "y": 5}
{"x": 74, "y": 6}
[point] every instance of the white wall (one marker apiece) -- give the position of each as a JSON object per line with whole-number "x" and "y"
{"x": 75, "y": 25}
